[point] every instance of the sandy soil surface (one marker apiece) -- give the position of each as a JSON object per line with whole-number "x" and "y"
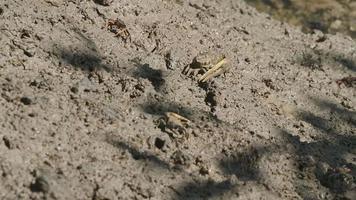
{"x": 331, "y": 16}
{"x": 83, "y": 105}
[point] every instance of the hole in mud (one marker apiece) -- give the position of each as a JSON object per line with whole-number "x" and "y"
{"x": 159, "y": 143}
{"x": 104, "y": 2}
{"x": 7, "y": 142}
{"x": 40, "y": 185}
{"x": 26, "y": 100}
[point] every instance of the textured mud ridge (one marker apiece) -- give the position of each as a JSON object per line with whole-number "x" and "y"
{"x": 84, "y": 103}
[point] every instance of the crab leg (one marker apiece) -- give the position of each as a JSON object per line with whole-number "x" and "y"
{"x": 214, "y": 71}
{"x": 175, "y": 115}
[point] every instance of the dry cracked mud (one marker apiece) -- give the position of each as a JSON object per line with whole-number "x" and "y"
{"x": 80, "y": 104}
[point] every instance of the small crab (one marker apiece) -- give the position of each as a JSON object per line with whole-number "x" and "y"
{"x": 207, "y": 64}
{"x": 174, "y": 124}
{"x": 118, "y": 27}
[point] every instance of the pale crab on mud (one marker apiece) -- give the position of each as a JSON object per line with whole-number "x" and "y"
{"x": 208, "y": 64}
{"x": 174, "y": 125}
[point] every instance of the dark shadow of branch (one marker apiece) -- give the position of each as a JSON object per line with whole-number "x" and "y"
{"x": 244, "y": 165}
{"x": 324, "y": 158}
{"x": 160, "y": 108}
{"x": 85, "y": 56}
{"x": 346, "y": 62}
{"x": 155, "y": 76}
{"x": 344, "y": 114}
{"x": 316, "y": 58}
{"x": 204, "y": 190}
{"x": 86, "y": 61}
{"x": 137, "y": 154}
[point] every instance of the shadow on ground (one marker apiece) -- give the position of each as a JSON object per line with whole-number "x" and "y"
{"x": 315, "y": 59}
{"x": 327, "y": 157}
{"x": 155, "y": 76}
{"x": 84, "y": 56}
{"x": 321, "y": 160}
{"x": 138, "y": 154}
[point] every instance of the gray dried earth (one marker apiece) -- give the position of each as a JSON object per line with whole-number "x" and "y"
{"x": 80, "y": 107}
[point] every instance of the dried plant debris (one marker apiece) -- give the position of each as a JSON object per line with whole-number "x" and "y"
{"x": 347, "y": 81}
{"x": 208, "y": 64}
